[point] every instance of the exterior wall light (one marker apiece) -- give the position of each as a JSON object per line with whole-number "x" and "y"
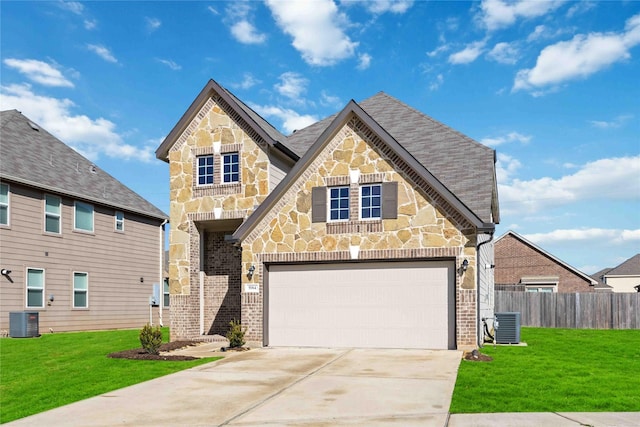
{"x": 252, "y": 269}
{"x": 463, "y": 267}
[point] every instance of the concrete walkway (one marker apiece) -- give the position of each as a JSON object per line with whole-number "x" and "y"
{"x": 304, "y": 387}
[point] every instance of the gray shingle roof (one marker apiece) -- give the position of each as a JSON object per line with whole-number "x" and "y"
{"x": 630, "y": 267}
{"x": 32, "y": 156}
{"x": 463, "y": 165}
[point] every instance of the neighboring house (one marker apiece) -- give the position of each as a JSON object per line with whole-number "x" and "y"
{"x": 370, "y": 228}
{"x": 623, "y": 278}
{"x": 524, "y": 266}
{"x": 76, "y": 245}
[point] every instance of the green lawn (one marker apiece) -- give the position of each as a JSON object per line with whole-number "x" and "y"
{"x": 42, "y": 373}
{"x": 567, "y": 370}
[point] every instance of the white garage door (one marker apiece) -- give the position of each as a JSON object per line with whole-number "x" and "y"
{"x": 377, "y": 305}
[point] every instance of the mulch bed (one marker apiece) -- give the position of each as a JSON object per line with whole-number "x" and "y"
{"x": 141, "y": 354}
{"x": 476, "y": 356}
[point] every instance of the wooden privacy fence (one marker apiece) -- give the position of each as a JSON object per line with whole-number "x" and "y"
{"x": 579, "y": 310}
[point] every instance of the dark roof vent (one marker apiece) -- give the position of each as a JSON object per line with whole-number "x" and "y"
{"x": 34, "y": 126}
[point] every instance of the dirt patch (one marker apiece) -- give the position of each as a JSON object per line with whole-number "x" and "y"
{"x": 141, "y": 354}
{"x": 476, "y": 356}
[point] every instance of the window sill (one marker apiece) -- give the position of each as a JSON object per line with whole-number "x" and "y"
{"x": 217, "y": 189}
{"x": 51, "y": 234}
{"x": 361, "y": 226}
{"x": 88, "y": 233}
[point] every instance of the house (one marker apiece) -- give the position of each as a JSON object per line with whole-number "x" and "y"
{"x": 523, "y": 266}
{"x": 370, "y": 228}
{"x": 623, "y": 278}
{"x": 76, "y": 245}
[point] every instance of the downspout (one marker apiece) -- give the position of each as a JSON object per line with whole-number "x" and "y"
{"x": 478, "y": 320}
{"x": 161, "y": 282}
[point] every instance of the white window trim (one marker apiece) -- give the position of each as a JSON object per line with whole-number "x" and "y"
{"x": 329, "y": 203}
{"x": 8, "y": 205}
{"x": 360, "y": 202}
{"x": 222, "y": 156}
{"x": 116, "y": 221}
{"x": 26, "y": 288}
{"x": 73, "y": 285}
{"x": 46, "y": 214}
{"x": 213, "y": 174}
{"x": 538, "y": 286}
{"x": 75, "y": 211}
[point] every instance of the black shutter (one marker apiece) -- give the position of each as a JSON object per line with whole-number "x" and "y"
{"x": 389, "y": 200}
{"x": 319, "y": 204}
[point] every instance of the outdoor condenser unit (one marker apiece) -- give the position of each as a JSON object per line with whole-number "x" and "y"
{"x": 508, "y": 328}
{"x": 23, "y": 324}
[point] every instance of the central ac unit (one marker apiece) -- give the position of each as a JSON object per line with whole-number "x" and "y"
{"x": 508, "y": 328}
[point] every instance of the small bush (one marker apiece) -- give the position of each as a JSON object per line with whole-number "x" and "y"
{"x": 235, "y": 334}
{"x": 151, "y": 338}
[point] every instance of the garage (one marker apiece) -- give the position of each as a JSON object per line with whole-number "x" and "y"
{"x": 372, "y": 304}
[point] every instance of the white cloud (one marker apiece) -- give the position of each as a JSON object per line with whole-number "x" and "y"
{"x": 438, "y": 50}
{"x": 497, "y": 14}
{"x": 510, "y": 137}
{"x": 246, "y": 33}
{"x": 152, "y": 24}
{"x": 90, "y": 24}
{"x": 292, "y": 85}
{"x": 291, "y": 120}
{"x": 614, "y": 178}
{"x": 611, "y": 124}
{"x": 506, "y": 167}
{"x": 364, "y": 61}
{"x": 248, "y": 81}
{"x": 239, "y": 19}
{"x": 379, "y": 7}
{"x": 91, "y": 137}
{"x": 610, "y": 235}
{"x": 330, "y": 100}
{"x": 436, "y": 83}
{"x": 469, "y": 54}
{"x": 316, "y": 28}
{"x": 504, "y": 53}
{"x": 71, "y": 6}
{"x": 169, "y": 63}
{"x": 580, "y": 7}
{"x": 213, "y": 10}
{"x": 39, "y": 72}
{"x": 579, "y": 57}
{"x": 102, "y": 52}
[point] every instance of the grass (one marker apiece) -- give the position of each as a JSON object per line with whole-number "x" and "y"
{"x": 560, "y": 370}
{"x": 37, "y": 374}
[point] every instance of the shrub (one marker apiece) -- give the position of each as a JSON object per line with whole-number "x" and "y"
{"x": 151, "y": 338}
{"x": 235, "y": 334}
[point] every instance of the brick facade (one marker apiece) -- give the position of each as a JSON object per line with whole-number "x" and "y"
{"x": 515, "y": 259}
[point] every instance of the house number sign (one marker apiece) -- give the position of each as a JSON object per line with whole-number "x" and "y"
{"x": 251, "y": 288}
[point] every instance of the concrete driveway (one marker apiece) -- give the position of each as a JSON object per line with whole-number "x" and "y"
{"x": 281, "y": 386}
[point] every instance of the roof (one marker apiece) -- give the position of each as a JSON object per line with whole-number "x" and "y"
{"x": 32, "y": 156}
{"x": 464, "y": 166}
{"x": 548, "y": 255}
{"x": 630, "y": 267}
{"x": 599, "y": 277}
{"x": 353, "y": 109}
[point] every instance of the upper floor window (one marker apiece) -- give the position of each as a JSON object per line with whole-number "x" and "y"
{"x": 165, "y": 293}
{"x": 230, "y": 167}
{"x": 80, "y": 290}
{"x": 83, "y": 216}
{"x": 4, "y": 204}
{"x": 119, "y": 217}
{"x": 52, "y": 213}
{"x": 35, "y": 287}
{"x": 205, "y": 170}
{"x": 338, "y": 203}
{"x": 370, "y": 201}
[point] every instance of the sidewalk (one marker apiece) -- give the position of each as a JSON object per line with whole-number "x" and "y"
{"x": 546, "y": 419}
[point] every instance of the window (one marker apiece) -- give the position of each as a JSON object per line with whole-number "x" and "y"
{"x": 230, "y": 168}
{"x": 83, "y": 216}
{"x": 370, "y": 201}
{"x": 4, "y": 204}
{"x": 538, "y": 288}
{"x": 80, "y": 290}
{"x": 338, "y": 203}
{"x": 35, "y": 287}
{"x": 205, "y": 170}
{"x": 52, "y": 214}
{"x": 119, "y": 221}
{"x": 166, "y": 293}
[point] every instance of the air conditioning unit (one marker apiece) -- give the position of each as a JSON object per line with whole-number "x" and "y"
{"x": 23, "y": 324}
{"x": 508, "y": 328}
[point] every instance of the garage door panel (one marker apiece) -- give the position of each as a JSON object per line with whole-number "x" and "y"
{"x": 394, "y": 305}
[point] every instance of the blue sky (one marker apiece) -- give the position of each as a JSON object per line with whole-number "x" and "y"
{"x": 551, "y": 85}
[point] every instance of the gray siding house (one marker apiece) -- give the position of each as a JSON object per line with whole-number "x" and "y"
{"x": 76, "y": 245}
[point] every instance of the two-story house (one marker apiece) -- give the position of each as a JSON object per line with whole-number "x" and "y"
{"x": 76, "y": 245}
{"x": 370, "y": 228}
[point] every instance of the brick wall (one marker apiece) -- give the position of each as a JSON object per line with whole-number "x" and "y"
{"x": 515, "y": 259}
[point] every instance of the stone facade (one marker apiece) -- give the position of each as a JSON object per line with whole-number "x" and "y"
{"x": 425, "y": 227}
{"x": 515, "y": 259}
